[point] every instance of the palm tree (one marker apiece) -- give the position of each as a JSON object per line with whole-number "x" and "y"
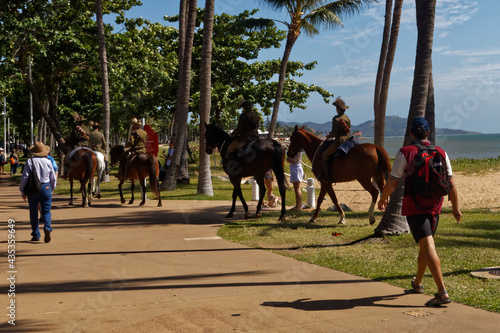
{"x": 388, "y": 50}
{"x": 422, "y": 92}
{"x": 204, "y": 178}
{"x": 104, "y": 74}
{"x": 182, "y": 107}
{"x": 307, "y": 16}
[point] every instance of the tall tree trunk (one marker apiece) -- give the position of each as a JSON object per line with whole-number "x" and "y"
{"x": 290, "y": 41}
{"x": 384, "y": 90}
{"x": 392, "y": 222}
{"x": 104, "y": 76}
{"x": 205, "y": 177}
{"x": 181, "y": 115}
{"x": 430, "y": 108}
{"x": 379, "y": 123}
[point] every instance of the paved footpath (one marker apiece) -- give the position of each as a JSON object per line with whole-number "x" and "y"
{"x": 121, "y": 268}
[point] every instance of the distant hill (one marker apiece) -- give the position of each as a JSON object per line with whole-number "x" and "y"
{"x": 394, "y": 126}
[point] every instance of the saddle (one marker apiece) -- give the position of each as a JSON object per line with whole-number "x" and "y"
{"x": 247, "y": 148}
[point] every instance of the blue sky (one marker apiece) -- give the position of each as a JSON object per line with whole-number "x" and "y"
{"x": 466, "y": 61}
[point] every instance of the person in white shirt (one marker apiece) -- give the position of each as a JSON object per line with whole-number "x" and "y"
{"x": 47, "y": 176}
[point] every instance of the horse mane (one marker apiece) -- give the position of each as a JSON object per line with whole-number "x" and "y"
{"x": 310, "y": 135}
{"x": 220, "y": 133}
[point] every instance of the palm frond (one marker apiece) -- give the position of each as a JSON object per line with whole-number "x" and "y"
{"x": 276, "y": 4}
{"x": 309, "y": 29}
{"x": 325, "y": 17}
{"x": 254, "y": 24}
{"x": 345, "y": 8}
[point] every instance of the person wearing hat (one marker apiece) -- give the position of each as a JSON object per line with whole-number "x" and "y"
{"x": 43, "y": 168}
{"x": 422, "y": 219}
{"x": 98, "y": 142}
{"x": 340, "y": 133}
{"x": 247, "y": 128}
{"x": 79, "y": 137}
{"x": 138, "y": 138}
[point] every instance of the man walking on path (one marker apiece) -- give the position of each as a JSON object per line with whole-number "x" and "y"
{"x": 423, "y": 216}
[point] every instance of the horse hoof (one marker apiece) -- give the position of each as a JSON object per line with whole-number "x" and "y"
{"x": 130, "y": 202}
{"x": 229, "y": 215}
{"x": 311, "y": 221}
{"x": 258, "y": 215}
{"x": 372, "y": 220}
{"x": 342, "y": 222}
{"x": 99, "y": 196}
{"x": 141, "y": 204}
{"x": 123, "y": 201}
{"x": 247, "y": 216}
{"x": 281, "y": 219}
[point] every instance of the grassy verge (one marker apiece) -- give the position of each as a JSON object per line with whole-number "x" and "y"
{"x": 471, "y": 245}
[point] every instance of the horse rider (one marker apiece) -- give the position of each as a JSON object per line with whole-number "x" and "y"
{"x": 98, "y": 142}
{"x": 136, "y": 143}
{"x": 247, "y": 129}
{"x": 79, "y": 137}
{"x": 340, "y": 133}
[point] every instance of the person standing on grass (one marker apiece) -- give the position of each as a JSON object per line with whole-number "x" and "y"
{"x": 296, "y": 177}
{"x": 422, "y": 222}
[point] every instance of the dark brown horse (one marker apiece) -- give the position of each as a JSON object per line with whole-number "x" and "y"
{"x": 265, "y": 154}
{"x": 82, "y": 166}
{"x": 139, "y": 167}
{"x": 364, "y": 162}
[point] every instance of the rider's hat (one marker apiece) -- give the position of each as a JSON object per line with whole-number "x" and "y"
{"x": 78, "y": 118}
{"x": 245, "y": 104}
{"x": 39, "y": 149}
{"x": 340, "y": 103}
{"x": 136, "y": 121}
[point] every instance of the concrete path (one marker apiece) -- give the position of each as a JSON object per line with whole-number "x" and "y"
{"x": 120, "y": 268}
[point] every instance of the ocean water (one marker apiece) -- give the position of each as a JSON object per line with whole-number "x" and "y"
{"x": 475, "y": 146}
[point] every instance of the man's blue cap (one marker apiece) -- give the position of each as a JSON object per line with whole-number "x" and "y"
{"x": 419, "y": 123}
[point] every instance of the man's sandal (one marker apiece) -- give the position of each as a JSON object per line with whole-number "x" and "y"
{"x": 417, "y": 288}
{"x": 439, "y": 299}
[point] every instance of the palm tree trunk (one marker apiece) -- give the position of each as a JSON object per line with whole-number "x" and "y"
{"x": 392, "y": 223}
{"x": 169, "y": 183}
{"x": 379, "y": 124}
{"x": 290, "y": 40}
{"x": 205, "y": 177}
{"x": 104, "y": 76}
{"x": 384, "y": 91}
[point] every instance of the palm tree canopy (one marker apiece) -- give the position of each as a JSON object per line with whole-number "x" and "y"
{"x": 306, "y": 15}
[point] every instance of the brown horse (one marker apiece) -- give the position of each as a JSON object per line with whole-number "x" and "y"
{"x": 265, "y": 154}
{"x": 82, "y": 166}
{"x": 364, "y": 162}
{"x": 139, "y": 167}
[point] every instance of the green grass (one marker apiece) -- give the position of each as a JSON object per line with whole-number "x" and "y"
{"x": 471, "y": 245}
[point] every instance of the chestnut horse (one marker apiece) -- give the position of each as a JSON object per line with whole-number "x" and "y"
{"x": 82, "y": 166}
{"x": 139, "y": 167}
{"x": 363, "y": 162}
{"x": 265, "y": 154}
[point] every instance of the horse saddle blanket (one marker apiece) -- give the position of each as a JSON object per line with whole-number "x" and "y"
{"x": 77, "y": 149}
{"x": 345, "y": 147}
{"x": 246, "y": 149}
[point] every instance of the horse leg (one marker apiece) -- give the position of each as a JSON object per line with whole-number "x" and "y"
{"x": 84, "y": 194}
{"x": 367, "y": 185}
{"x": 132, "y": 186}
{"x": 243, "y": 202}
{"x": 233, "y": 205}
{"x": 143, "y": 192}
{"x": 71, "y": 190}
{"x": 335, "y": 201}
{"x": 122, "y": 199}
{"x": 262, "y": 193}
{"x": 89, "y": 192}
{"x": 321, "y": 196}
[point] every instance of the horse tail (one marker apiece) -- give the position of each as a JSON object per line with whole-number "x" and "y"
{"x": 153, "y": 175}
{"x": 88, "y": 167}
{"x": 383, "y": 168}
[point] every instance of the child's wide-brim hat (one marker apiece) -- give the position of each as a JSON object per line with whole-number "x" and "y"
{"x": 39, "y": 149}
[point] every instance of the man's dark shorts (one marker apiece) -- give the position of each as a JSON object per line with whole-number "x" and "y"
{"x": 422, "y": 225}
